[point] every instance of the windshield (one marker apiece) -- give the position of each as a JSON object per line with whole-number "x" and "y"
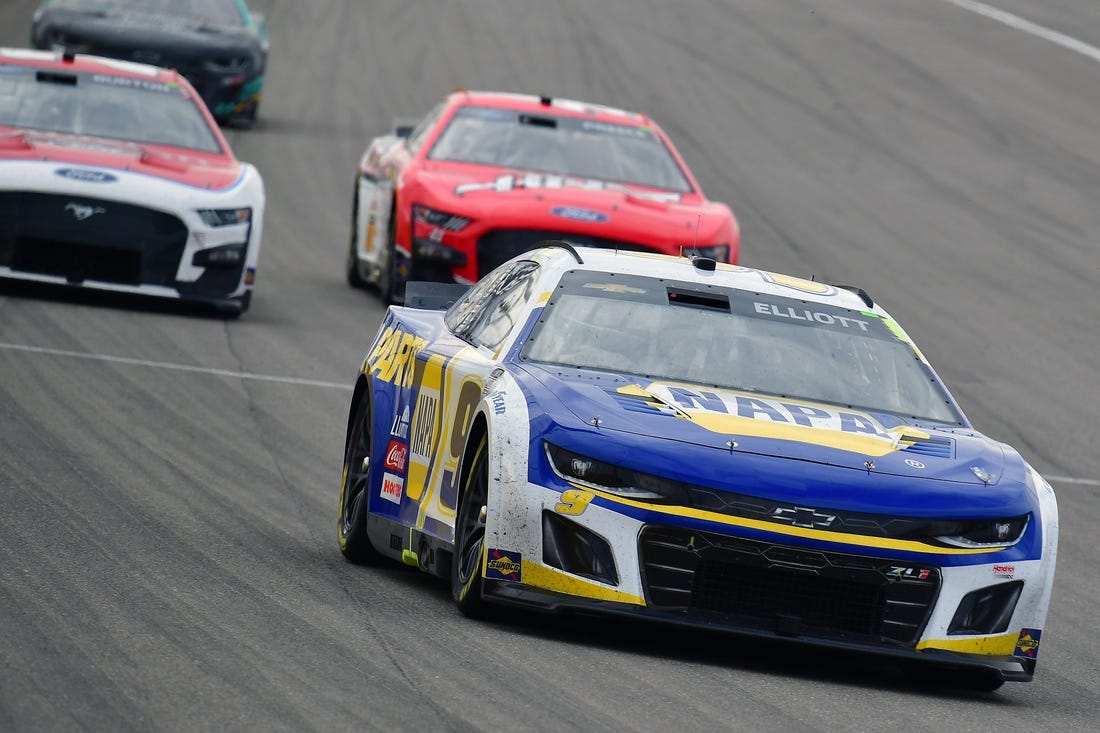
{"x": 101, "y": 105}
{"x": 737, "y": 340}
{"x": 569, "y": 146}
{"x": 225, "y": 12}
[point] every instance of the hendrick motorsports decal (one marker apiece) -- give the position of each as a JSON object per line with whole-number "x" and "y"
{"x": 535, "y": 181}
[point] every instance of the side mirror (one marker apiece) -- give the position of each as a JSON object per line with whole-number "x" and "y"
{"x": 403, "y": 131}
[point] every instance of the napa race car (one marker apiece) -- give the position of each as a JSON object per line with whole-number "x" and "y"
{"x": 114, "y": 176}
{"x": 485, "y": 176}
{"x": 702, "y": 444}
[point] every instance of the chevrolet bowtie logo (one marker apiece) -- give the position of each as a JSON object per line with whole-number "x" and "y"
{"x": 803, "y": 517}
{"x": 81, "y": 212}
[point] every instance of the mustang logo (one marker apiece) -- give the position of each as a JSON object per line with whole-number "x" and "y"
{"x": 81, "y": 212}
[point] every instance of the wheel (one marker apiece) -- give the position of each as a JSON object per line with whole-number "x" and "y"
{"x": 351, "y": 265}
{"x": 466, "y": 568}
{"x": 355, "y": 491}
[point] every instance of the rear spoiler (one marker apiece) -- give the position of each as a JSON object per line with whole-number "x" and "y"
{"x": 433, "y": 296}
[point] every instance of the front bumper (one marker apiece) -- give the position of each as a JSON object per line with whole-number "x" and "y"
{"x": 694, "y": 569}
{"x": 135, "y": 235}
{"x": 1003, "y": 667}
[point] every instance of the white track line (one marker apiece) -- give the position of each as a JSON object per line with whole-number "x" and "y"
{"x": 1071, "y": 480}
{"x": 4, "y": 346}
{"x": 176, "y": 367}
{"x": 1022, "y": 24}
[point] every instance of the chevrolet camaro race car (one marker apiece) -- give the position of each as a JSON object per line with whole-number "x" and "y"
{"x": 114, "y": 176}
{"x": 701, "y": 444}
{"x": 485, "y": 176}
{"x": 219, "y": 45}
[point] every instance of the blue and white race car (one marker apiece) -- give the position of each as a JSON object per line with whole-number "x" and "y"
{"x": 699, "y": 443}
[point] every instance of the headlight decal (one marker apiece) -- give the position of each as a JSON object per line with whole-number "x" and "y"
{"x": 225, "y": 217}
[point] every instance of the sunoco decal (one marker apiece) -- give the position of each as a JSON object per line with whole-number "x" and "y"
{"x": 504, "y": 565}
{"x": 1027, "y": 645}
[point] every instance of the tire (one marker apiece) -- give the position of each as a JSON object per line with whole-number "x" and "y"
{"x": 355, "y": 490}
{"x": 351, "y": 265}
{"x": 467, "y": 566}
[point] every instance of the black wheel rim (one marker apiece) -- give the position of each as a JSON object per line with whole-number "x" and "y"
{"x": 472, "y": 524}
{"x": 357, "y": 479}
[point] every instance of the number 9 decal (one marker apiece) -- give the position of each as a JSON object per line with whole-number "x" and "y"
{"x": 574, "y": 501}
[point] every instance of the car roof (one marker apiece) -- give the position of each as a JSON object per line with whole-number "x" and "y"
{"x": 536, "y": 103}
{"x": 87, "y": 62}
{"x": 704, "y": 272}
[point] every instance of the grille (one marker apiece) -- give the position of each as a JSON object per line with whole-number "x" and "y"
{"x": 82, "y": 238}
{"x": 786, "y": 589}
{"x": 501, "y": 245}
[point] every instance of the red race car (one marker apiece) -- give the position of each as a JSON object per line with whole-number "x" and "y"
{"x": 487, "y": 175}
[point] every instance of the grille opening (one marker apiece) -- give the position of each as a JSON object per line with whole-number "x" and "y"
{"x": 77, "y": 262}
{"x": 790, "y": 590}
{"x": 771, "y": 596}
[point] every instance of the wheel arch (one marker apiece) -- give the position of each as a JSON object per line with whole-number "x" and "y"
{"x": 479, "y": 428}
{"x": 360, "y": 390}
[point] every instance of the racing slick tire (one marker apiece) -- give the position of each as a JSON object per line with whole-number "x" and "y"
{"x": 351, "y": 265}
{"x": 355, "y": 488}
{"x": 466, "y": 569}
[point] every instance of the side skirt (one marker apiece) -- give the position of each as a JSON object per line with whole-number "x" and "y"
{"x": 410, "y": 546}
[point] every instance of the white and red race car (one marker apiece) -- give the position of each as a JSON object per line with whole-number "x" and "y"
{"x": 114, "y": 176}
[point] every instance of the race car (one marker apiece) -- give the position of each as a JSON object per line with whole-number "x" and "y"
{"x": 697, "y": 443}
{"x": 114, "y": 176}
{"x": 219, "y": 45}
{"x": 485, "y": 176}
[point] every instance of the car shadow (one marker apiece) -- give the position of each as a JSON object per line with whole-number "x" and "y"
{"x": 75, "y": 295}
{"x": 712, "y": 648}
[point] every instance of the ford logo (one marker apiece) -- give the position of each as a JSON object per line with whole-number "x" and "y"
{"x": 578, "y": 214}
{"x": 85, "y": 175}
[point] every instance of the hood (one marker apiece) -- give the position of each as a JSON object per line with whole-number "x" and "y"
{"x": 570, "y": 203}
{"x": 798, "y": 432}
{"x": 207, "y": 171}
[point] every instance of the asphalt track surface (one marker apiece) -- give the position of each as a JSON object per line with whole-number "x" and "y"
{"x": 168, "y": 556}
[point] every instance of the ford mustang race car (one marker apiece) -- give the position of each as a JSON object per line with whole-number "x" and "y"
{"x": 702, "y": 444}
{"x": 485, "y": 176}
{"x": 219, "y": 45}
{"x": 113, "y": 175}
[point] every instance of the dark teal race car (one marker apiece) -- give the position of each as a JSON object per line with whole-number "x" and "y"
{"x": 702, "y": 444}
{"x": 219, "y": 45}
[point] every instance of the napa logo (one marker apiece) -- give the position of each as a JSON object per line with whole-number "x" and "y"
{"x": 504, "y": 565}
{"x": 85, "y": 175}
{"x": 578, "y": 214}
{"x": 393, "y": 358}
